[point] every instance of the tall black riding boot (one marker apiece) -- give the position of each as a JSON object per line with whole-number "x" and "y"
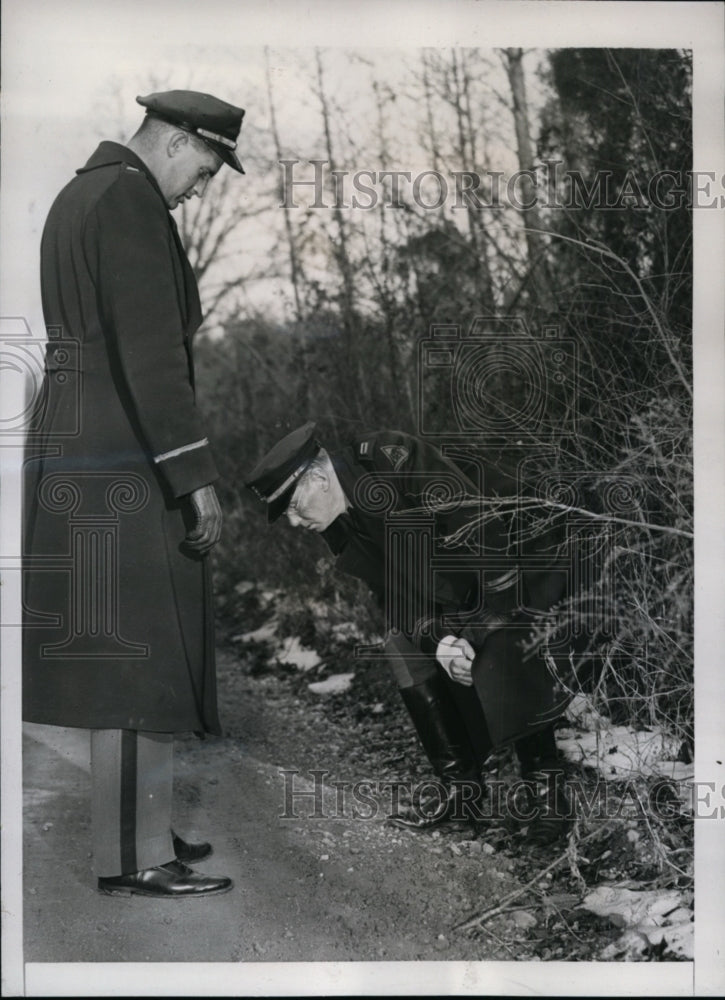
{"x": 543, "y": 804}
{"x": 443, "y": 734}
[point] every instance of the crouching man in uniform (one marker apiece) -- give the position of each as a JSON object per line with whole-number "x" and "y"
{"x": 120, "y": 507}
{"x": 389, "y": 507}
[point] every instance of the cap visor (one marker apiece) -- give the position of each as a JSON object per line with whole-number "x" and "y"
{"x": 277, "y": 507}
{"x": 234, "y": 163}
{"x": 230, "y": 158}
{"x": 224, "y": 152}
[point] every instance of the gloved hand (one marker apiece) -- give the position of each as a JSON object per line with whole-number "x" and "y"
{"x": 455, "y": 655}
{"x": 208, "y": 528}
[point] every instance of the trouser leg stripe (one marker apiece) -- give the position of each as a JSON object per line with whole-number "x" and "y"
{"x": 129, "y": 754}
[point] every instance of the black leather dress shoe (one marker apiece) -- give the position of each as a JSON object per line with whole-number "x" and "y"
{"x": 171, "y": 881}
{"x": 189, "y": 853}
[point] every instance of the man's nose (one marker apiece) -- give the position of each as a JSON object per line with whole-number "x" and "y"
{"x": 293, "y": 518}
{"x": 200, "y": 187}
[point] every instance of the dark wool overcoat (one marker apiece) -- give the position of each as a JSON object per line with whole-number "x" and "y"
{"x": 407, "y": 535}
{"x": 117, "y": 610}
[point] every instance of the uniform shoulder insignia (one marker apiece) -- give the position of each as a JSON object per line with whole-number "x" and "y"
{"x": 396, "y": 454}
{"x": 363, "y": 448}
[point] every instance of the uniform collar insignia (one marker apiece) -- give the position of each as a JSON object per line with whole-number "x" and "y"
{"x": 396, "y": 454}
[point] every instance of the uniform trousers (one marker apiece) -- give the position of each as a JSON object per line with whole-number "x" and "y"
{"x": 131, "y": 785}
{"x": 407, "y": 665}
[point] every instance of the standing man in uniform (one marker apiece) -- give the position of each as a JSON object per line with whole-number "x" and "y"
{"x": 390, "y": 507}
{"x": 120, "y": 510}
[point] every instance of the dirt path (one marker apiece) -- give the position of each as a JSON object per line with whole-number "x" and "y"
{"x": 306, "y": 889}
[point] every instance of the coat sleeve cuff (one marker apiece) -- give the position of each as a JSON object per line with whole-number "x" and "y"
{"x": 429, "y": 645}
{"x": 426, "y": 635}
{"x": 188, "y": 468}
{"x": 502, "y": 594}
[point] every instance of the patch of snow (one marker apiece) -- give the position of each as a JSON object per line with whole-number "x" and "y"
{"x": 581, "y": 711}
{"x": 262, "y": 634}
{"x": 617, "y": 750}
{"x": 243, "y": 587}
{"x": 293, "y": 652}
{"x": 346, "y": 630}
{"x": 289, "y": 651}
{"x": 675, "y": 769}
{"x": 524, "y": 919}
{"x": 319, "y": 609}
{"x": 648, "y": 917}
{"x": 628, "y": 907}
{"x": 335, "y": 684}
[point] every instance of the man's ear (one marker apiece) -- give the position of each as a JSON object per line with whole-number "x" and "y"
{"x": 177, "y": 141}
{"x": 320, "y": 479}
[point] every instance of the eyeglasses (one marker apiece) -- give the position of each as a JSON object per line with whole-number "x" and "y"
{"x": 293, "y": 505}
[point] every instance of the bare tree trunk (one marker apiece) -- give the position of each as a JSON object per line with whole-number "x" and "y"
{"x": 296, "y": 271}
{"x": 430, "y": 122}
{"x": 358, "y": 388}
{"x": 341, "y": 253}
{"x": 528, "y": 208}
{"x": 467, "y": 146}
{"x": 401, "y": 386}
{"x": 297, "y": 274}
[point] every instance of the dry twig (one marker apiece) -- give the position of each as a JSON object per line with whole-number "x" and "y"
{"x": 517, "y": 893}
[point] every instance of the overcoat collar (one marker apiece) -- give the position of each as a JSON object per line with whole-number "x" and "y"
{"x": 109, "y": 153}
{"x": 368, "y": 528}
{"x": 358, "y": 539}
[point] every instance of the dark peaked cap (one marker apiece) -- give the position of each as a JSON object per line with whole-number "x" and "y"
{"x": 212, "y": 120}
{"x": 276, "y": 475}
